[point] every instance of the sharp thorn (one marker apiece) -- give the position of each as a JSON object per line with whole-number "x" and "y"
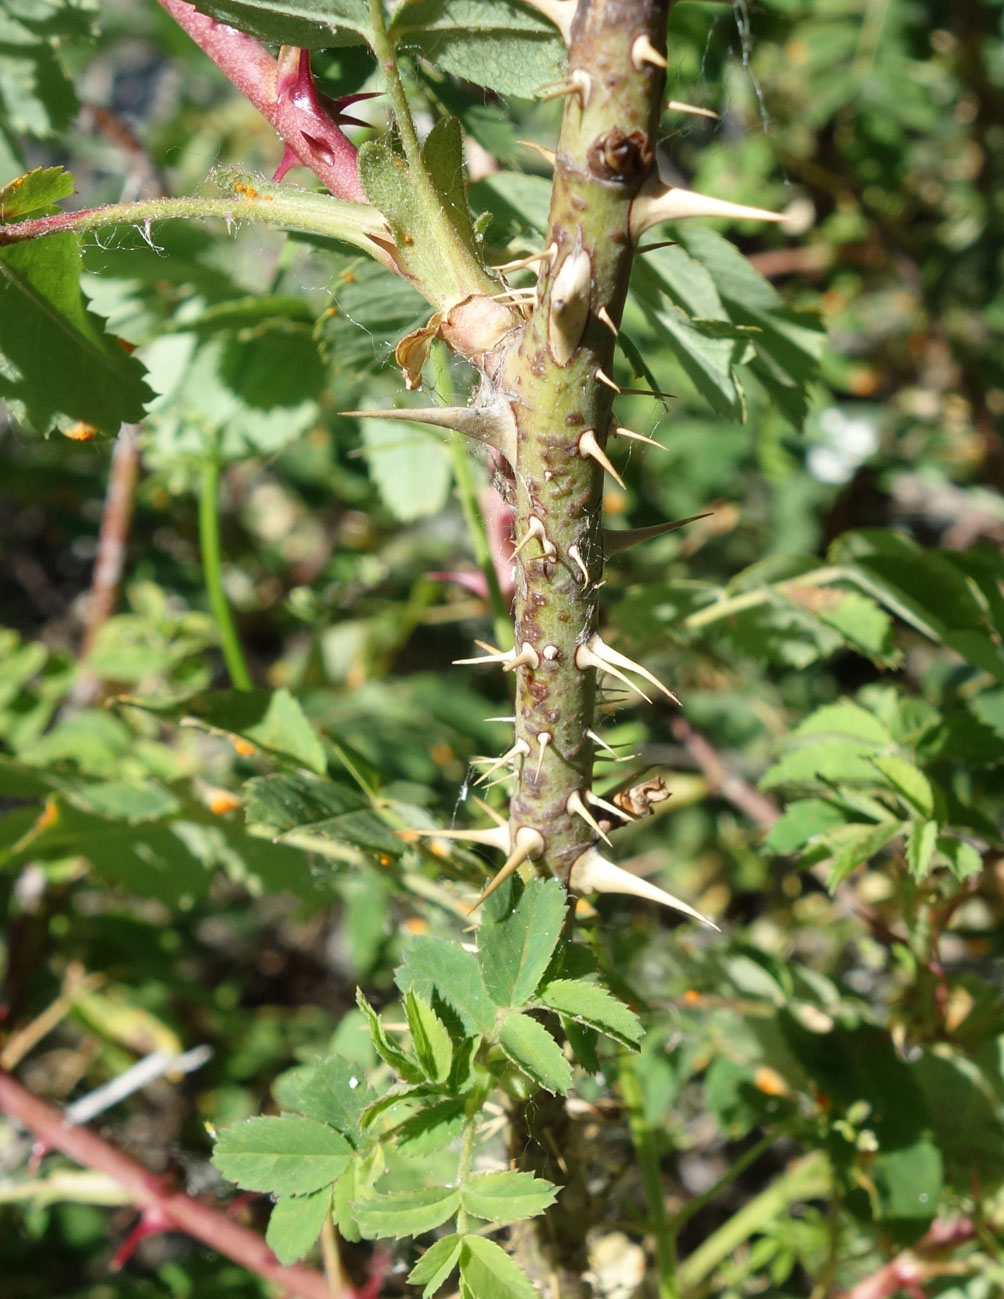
{"x": 521, "y": 263}
{"x": 614, "y": 542}
{"x": 643, "y": 51}
{"x": 493, "y": 425}
{"x": 489, "y": 811}
{"x": 491, "y": 655}
{"x": 569, "y": 303}
{"x": 608, "y": 656}
{"x": 592, "y": 873}
{"x": 678, "y": 106}
{"x": 588, "y": 446}
{"x": 604, "y": 315}
{"x": 501, "y": 719}
{"x": 526, "y": 658}
{"x": 622, "y": 432}
{"x": 658, "y": 202}
{"x": 602, "y": 377}
{"x": 559, "y": 12}
{"x": 519, "y": 750}
{"x": 620, "y": 813}
{"x": 575, "y": 805}
{"x": 614, "y": 756}
{"x": 585, "y": 658}
{"x": 575, "y": 555}
{"x": 535, "y": 528}
{"x": 527, "y": 846}
{"x": 546, "y": 154}
{"x": 647, "y": 392}
{"x": 496, "y": 837}
{"x": 543, "y": 740}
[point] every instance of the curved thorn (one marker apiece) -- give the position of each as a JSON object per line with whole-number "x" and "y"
{"x": 588, "y": 446}
{"x": 643, "y": 51}
{"x": 592, "y": 873}
{"x": 547, "y": 154}
{"x": 521, "y": 263}
{"x": 575, "y": 555}
{"x": 614, "y": 542}
{"x": 527, "y": 846}
{"x": 575, "y": 805}
{"x": 544, "y": 738}
{"x": 622, "y": 432}
{"x": 535, "y": 528}
{"x": 601, "y": 376}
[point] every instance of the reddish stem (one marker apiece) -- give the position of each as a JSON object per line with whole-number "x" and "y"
{"x": 177, "y": 1211}
{"x": 284, "y": 93}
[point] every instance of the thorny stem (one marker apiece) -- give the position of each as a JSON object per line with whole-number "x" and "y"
{"x": 212, "y": 568}
{"x": 179, "y": 1212}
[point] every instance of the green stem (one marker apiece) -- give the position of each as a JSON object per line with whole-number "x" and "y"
{"x": 741, "y": 1164}
{"x": 466, "y": 1159}
{"x": 648, "y": 1161}
{"x": 212, "y": 568}
{"x": 806, "y": 1179}
{"x": 468, "y": 493}
{"x": 317, "y": 214}
{"x": 384, "y": 51}
{"x": 730, "y": 605}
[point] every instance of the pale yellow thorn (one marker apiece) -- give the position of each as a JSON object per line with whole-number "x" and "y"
{"x": 521, "y": 263}
{"x": 519, "y": 750}
{"x": 547, "y": 154}
{"x": 643, "y": 51}
{"x": 604, "y": 315}
{"x": 543, "y": 740}
{"x": 588, "y": 446}
{"x": 526, "y": 658}
{"x": 559, "y": 12}
{"x": 601, "y": 376}
{"x": 608, "y": 656}
{"x": 535, "y": 528}
{"x": 575, "y": 805}
{"x": 575, "y": 555}
{"x": 658, "y": 202}
{"x": 527, "y": 846}
{"x": 496, "y": 837}
{"x": 592, "y": 873}
{"x": 614, "y": 756}
{"x": 586, "y": 658}
{"x": 678, "y": 106}
{"x": 489, "y": 811}
{"x": 491, "y": 655}
{"x": 618, "y": 812}
{"x": 622, "y": 432}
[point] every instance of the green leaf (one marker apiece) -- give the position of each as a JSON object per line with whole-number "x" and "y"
{"x": 36, "y": 95}
{"x": 445, "y": 975}
{"x": 35, "y": 194}
{"x": 399, "y": 1060}
{"x": 287, "y": 802}
{"x": 588, "y": 1004}
{"x": 431, "y": 1129}
{"x": 436, "y": 1264}
{"x": 333, "y": 1091}
{"x": 509, "y": 48}
{"x": 855, "y": 844}
{"x": 410, "y": 466}
{"x": 489, "y": 1273}
{"x": 921, "y": 841}
{"x": 532, "y": 1049}
{"x": 833, "y": 761}
{"x": 429, "y": 1037}
{"x": 311, "y": 24}
{"x": 845, "y": 719}
{"x": 57, "y": 366}
{"x": 517, "y": 937}
{"x": 295, "y": 1224}
{"x": 282, "y": 1156}
{"x": 963, "y": 859}
{"x": 907, "y": 780}
{"x": 506, "y": 1197}
{"x": 407, "y": 1213}
{"x": 802, "y": 821}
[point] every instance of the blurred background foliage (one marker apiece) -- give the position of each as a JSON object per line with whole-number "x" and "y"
{"x": 832, "y": 665}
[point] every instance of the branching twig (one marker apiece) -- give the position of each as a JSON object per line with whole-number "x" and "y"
{"x": 178, "y": 1212}
{"x": 722, "y": 779}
